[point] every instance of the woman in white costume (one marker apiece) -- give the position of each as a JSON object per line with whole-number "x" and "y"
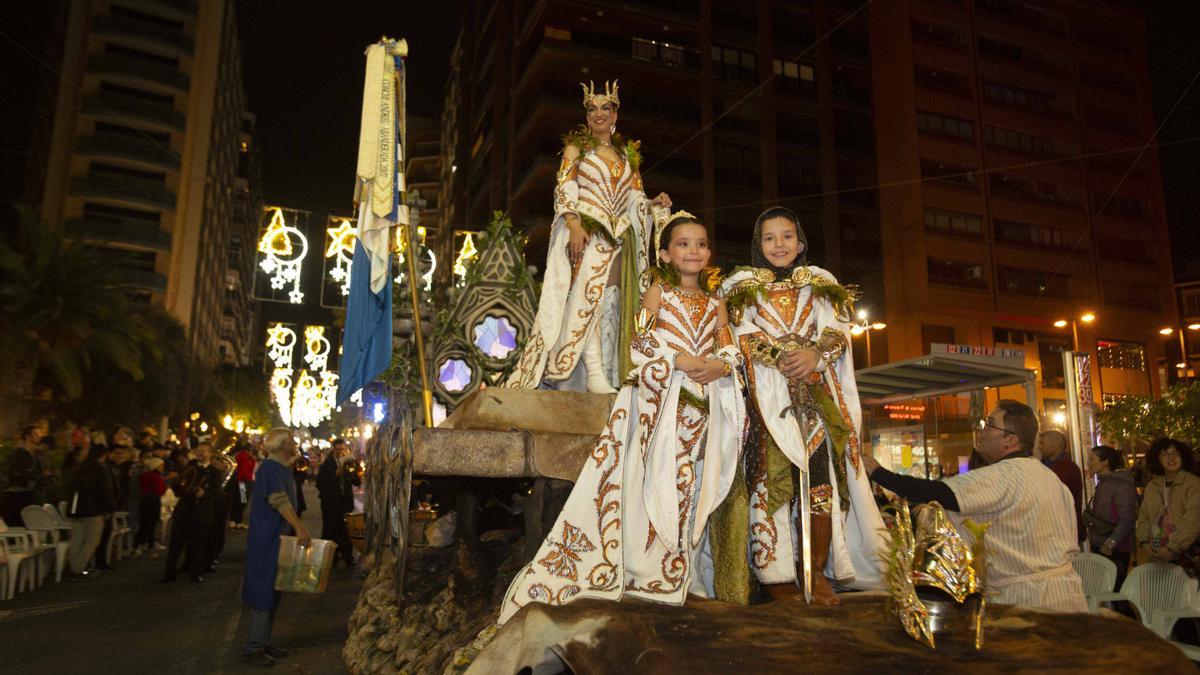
{"x": 791, "y": 321}
{"x": 648, "y": 515}
{"x": 598, "y": 244}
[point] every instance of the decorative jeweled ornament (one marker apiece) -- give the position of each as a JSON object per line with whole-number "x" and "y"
{"x": 936, "y": 580}
{"x": 590, "y": 95}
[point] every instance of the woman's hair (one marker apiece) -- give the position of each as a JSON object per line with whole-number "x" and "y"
{"x": 1154, "y": 464}
{"x": 1111, "y": 456}
{"x": 664, "y": 242}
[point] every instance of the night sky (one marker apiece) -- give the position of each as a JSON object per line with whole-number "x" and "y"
{"x": 303, "y": 65}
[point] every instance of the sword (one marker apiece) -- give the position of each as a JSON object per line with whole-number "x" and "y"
{"x": 801, "y": 405}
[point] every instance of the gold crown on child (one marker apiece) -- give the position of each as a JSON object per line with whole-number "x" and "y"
{"x": 659, "y": 227}
{"x": 609, "y": 96}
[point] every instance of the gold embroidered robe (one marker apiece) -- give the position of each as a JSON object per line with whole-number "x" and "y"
{"x": 798, "y": 309}
{"x": 638, "y": 511}
{"x": 605, "y": 193}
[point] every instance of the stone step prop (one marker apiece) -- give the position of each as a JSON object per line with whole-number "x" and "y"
{"x": 514, "y": 433}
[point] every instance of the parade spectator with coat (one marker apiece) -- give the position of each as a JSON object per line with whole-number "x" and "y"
{"x": 90, "y": 503}
{"x": 1111, "y": 517}
{"x": 1169, "y": 519}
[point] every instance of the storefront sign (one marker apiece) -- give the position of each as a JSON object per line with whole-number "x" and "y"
{"x": 905, "y": 411}
{"x": 1013, "y": 357}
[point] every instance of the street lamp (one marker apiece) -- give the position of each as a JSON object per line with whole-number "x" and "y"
{"x": 864, "y": 326}
{"x": 1183, "y": 352}
{"x": 1086, "y": 317}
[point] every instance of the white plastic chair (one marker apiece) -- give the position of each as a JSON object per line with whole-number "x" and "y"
{"x": 1099, "y": 575}
{"x": 60, "y": 522}
{"x": 48, "y": 534}
{"x": 20, "y": 555}
{"x": 117, "y": 540}
{"x": 1160, "y": 592}
{"x": 62, "y": 511}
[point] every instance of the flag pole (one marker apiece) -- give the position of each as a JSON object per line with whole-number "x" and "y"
{"x": 408, "y": 231}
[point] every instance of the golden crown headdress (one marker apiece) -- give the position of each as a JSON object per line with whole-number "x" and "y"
{"x": 609, "y": 95}
{"x": 658, "y": 229}
{"x": 936, "y": 580}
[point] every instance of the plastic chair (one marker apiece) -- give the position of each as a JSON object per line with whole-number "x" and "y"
{"x": 60, "y": 522}
{"x": 1160, "y": 592}
{"x": 119, "y": 540}
{"x": 1099, "y": 575}
{"x": 38, "y": 522}
{"x": 62, "y": 511}
{"x": 17, "y": 548}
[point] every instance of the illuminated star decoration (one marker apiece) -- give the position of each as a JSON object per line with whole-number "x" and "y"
{"x": 281, "y": 341}
{"x": 283, "y": 248}
{"x": 466, "y": 255}
{"x": 316, "y": 347}
{"x": 341, "y": 249}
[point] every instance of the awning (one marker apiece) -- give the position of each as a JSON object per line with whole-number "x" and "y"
{"x": 937, "y": 375}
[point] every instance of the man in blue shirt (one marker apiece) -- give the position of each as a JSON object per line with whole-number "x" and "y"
{"x": 272, "y": 514}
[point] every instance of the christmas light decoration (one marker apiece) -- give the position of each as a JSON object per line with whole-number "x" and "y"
{"x": 467, "y": 254}
{"x": 316, "y": 347}
{"x": 284, "y": 248}
{"x": 341, "y": 249}
{"x": 281, "y": 342}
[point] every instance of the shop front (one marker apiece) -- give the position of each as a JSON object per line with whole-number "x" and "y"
{"x": 919, "y": 413}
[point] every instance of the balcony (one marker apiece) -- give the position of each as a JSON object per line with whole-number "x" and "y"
{"x": 143, "y": 35}
{"x": 137, "y": 73}
{"x": 143, "y": 151}
{"x": 121, "y": 108}
{"x": 120, "y": 231}
{"x": 175, "y": 10}
{"x": 124, "y": 191}
{"x": 151, "y": 281}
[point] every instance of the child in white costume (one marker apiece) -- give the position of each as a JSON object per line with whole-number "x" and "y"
{"x": 636, "y": 521}
{"x": 791, "y": 322}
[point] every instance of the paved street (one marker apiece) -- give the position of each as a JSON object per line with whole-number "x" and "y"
{"x": 126, "y": 621}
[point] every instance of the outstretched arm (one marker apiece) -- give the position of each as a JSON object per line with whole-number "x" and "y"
{"x": 912, "y": 489}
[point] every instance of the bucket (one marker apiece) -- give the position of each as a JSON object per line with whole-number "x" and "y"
{"x": 304, "y": 569}
{"x": 356, "y": 527}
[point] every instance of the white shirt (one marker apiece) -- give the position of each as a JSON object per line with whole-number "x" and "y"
{"x": 1031, "y": 538}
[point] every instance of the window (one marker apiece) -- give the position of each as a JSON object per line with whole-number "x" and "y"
{"x": 941, "y": 125}
{"x": 946, "y": 80}
{"x": 1130, "y": 207}
{"x": 734, "y": 64}
{"x": 1013, "y": 232}
{"x": 122, "y": 130}
{"x": 1124, "y": 249}
{"x": 666, "y": 53}
{"x": 1010, "y": 185}
{"x": 956, "y": 273}
{"x": 1000, "y": 49}
{"x": 953, "y": 222}
{"x": 141, "y": 55}
{"x": 116, "y": 214}
{"x": 1142, "y": 297}
{"x": 1018, "y": 141}
{"x": 102, "y": 170}
{"x": 938, "y": 35}
{"x": 1191, "y": 302}
{"x": 118, "y": 10}
{"x": 110, "y": 88}
{"x": 1033, "y": 282}
{"x": 793, "y": 76}
{"x": 1050, "y": 349}
{"x": 1004, "y": 94}
{"x": 1121, "y": 355}
{"x": 949, "y": 174}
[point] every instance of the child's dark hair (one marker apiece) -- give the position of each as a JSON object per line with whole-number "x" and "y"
{"x": 780, "y": 212}
{"x": 664, "y": 242}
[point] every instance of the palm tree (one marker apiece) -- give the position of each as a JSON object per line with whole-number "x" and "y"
{"x": 64, "y": 310}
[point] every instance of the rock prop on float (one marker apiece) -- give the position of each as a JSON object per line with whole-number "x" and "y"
{"x": 705, "y": 636}
{"x": 427, "y": 632}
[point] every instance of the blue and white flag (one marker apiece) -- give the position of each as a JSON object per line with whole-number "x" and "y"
{"x": 367, "y": 342}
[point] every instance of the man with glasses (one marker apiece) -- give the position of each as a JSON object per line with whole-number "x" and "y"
{"x": 1031, "y": 535}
